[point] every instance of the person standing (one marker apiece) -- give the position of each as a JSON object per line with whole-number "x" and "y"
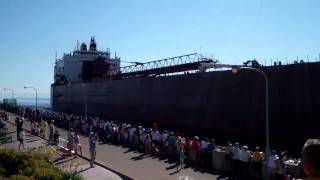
{"x": 272, "y": 162}
{"x": 51, "y": 132}
{"x": 77, "y": 145}
{"x": 147, "y": 144}
{"x": 21, "y": 139}
{"x": 56, "y": 138}
{"x": 244, "y": 161}
{"x": 180, "y": 153}
{"x": 70, "y": 141}
{"x": 92, "y": 144}
{"x": 42, "y": 125}
{"x": 19, "y": 124}
{"x": 257, "y": 159}
{"x": 235, "y": 151}
{"x": 311, "y": 159}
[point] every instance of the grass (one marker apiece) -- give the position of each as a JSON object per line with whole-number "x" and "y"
{"x": 34, "y": 164}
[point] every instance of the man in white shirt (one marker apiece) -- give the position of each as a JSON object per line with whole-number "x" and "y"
{"x": 244, "y": 159}
{"x": 236, "y": 159}
{"x": 244, "y": 154}
{"x": 272, "y": 164}
{"x": 155, "y": 135}
{"x": 204, "y": 145}
{"x": 131, "y": 135}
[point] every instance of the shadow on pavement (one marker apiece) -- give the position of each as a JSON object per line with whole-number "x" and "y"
{"x": 136, "y": 158}
{"x": 32, "y": 140}
{"x": 58, "y": 159}
{"x": 175, "y": 172}
{"x": 82, "y": 170}
{"x": 66, "y": 160}
{"x": 170, "y": 161}
{"x": 129, "y": 150}
{"x": 171, "y": 167}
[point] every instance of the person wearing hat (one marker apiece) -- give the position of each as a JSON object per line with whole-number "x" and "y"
{"x": 92, "y": 148}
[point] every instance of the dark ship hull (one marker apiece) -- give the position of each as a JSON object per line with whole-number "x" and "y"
{"x": 221, "y": 104}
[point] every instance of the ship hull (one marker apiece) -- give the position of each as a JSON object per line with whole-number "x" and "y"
{"x": 220, "y": 104}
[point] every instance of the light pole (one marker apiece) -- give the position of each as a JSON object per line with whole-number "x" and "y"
{"x": 36, "y": 99}
{"x": 235, "y": 70}
{"x": 12, "y": 92}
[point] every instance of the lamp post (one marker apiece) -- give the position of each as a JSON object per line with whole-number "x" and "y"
{"x": 36, "y": 99}
{"x": 235, "y": 70}
{"x": 12, "y": 92}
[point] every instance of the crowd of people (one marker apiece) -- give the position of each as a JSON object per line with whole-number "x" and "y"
{"x": 155, "y": 142}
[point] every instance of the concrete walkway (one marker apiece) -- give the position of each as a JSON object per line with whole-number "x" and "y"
{"x": 84, "y": 169}
{"x": 134, "y": 164}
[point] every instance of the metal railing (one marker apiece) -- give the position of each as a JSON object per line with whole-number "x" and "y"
{"x": 167, "y": 62}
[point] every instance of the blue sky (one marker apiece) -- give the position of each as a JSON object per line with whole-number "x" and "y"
{"x": 144, "y": 30}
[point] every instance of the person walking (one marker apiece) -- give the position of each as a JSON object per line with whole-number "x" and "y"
{"x": 92, "y": 144}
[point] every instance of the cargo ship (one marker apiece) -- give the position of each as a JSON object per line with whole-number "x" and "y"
{"x": 183, "y": 93}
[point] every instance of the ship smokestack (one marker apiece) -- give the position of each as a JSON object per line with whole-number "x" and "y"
{"x": 93, "y": 45}
{"x": 83, "y": 47}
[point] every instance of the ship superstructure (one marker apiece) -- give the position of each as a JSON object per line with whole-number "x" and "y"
{"x": 74, "y": 67}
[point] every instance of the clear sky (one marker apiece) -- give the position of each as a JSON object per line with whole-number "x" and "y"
{"x": 142, "y": 30}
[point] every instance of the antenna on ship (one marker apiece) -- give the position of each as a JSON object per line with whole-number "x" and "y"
{"x": 77, "y": 45}
{"x": 56, "y": 56}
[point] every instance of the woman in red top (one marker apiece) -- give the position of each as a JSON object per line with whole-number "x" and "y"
{"x": 196, "y": 147}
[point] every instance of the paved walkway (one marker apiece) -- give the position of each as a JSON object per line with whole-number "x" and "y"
{"x": 134, "y": 164}
{"x": 32, "y": 141}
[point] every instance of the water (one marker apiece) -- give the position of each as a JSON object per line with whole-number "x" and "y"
{"x": 42, "y": 102}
